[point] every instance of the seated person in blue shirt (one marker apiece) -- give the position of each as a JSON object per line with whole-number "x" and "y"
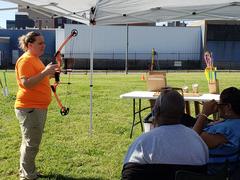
{"x": 222, "y": 137}
{"x": 169, "y": 142}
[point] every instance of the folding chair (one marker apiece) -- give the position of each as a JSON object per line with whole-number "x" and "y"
{"x": 188, "y": 175}
{"x": 136, "y": 171}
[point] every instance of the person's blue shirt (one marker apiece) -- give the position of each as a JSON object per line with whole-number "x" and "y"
{"x": 230, "y": 129}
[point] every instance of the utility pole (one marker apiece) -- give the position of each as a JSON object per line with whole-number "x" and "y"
{"x": 126, "y": 59}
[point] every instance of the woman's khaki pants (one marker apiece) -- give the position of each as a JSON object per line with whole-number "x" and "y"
{"x": 32, "y": 123}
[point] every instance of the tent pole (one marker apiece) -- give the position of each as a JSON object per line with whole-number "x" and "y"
{"x": 91, "y": 78}
{"x": 126, "y": 60}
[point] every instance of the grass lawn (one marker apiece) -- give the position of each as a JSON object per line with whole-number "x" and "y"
{"x": 67, "y": 150}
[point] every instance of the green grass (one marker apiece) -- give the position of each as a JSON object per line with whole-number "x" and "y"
{"x": 67, "y": 150}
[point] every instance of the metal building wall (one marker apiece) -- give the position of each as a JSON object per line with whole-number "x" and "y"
{"x": 4, "y": 48}
{"x": 141, "y": 40}
{"x": 223, "y": 39}
{"x": 108, "y": 39}
{"x": 225, "y": 50}
{"x": 49, "y": 36}
{"x": 171, "y": 43}
{"x": 110, "y": 46}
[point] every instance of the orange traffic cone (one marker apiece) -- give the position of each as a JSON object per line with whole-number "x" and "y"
{"x": 142, "y": 77}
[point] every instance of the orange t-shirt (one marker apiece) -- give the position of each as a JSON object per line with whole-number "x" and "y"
{"x": 38, "y": 96}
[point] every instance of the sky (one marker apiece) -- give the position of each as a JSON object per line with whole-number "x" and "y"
{"x": 6, "y": 14}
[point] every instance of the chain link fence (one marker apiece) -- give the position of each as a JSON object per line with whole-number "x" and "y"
{"x": 135, "y": 61}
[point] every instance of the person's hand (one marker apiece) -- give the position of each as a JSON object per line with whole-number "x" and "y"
{"x": 50, "y": 69}
{"x": 209, "y": 107}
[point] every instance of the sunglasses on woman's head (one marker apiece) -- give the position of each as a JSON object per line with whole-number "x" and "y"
{"x": 222, "y": 104}
{"x": 168, "y": 89}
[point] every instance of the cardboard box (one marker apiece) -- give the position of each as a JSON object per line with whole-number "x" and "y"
{"x": 156, "y": 80}
{"x": 213, "y": 87}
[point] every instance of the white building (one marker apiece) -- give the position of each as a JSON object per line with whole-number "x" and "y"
{"x": 110, "y": 43}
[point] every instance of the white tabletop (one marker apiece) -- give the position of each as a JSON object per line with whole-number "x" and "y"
{"x": 150, "y": 95}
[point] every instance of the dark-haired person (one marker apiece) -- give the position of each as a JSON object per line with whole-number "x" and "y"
{"x": 223, "y": 137}
{"x": 33, "y": 98}
{"x": 169, "y": 142}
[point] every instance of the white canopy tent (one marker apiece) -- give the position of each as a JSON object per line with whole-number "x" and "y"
{"x": 109, "y": 12}
{"x": 104, "y": 12}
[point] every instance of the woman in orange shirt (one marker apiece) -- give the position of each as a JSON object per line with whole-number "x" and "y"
{"x": 33, "y": 98}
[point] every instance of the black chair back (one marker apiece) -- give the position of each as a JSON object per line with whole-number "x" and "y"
{"x": 136, "y": 171}
{"x": 188, "y": 175}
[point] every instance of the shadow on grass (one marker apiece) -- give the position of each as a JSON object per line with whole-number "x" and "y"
{"x": 62, "y": 177}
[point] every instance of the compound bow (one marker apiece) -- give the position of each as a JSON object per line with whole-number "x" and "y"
{"x": 58, "y": 60}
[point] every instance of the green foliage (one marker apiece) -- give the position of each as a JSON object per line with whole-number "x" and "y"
{"x": 68, "y": 150}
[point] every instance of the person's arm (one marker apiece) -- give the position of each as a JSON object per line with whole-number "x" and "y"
{"x": 34, "y": 80}
{"x": 212, "y": 140}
